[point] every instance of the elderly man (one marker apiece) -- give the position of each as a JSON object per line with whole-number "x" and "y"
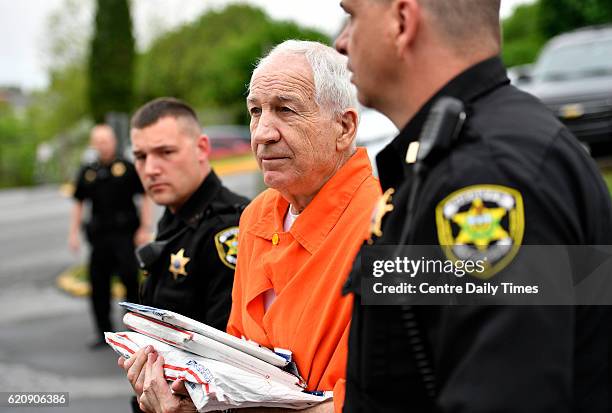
{"x": 298, "y": 239}
{"x": 511, "y": 176}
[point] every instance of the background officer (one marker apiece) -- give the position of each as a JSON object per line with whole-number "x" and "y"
{"x": 190, "y": 266}
{"x": 114, "y": 227}
{"x": 513, "y": 167}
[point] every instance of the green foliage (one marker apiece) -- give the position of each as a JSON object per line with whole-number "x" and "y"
{"x": 17, "y": 150}
{"x": 62, "y": 104}
{"x": 522, "y": 38}
{"x": 531, "y": 25}
{"x": 209, "y": 62}
{"x": 608, "y": 179}
{"x": 558, "y": 16}
{"x": 111, "y": 60}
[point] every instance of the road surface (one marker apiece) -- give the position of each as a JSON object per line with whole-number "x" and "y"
{"x": 44, "y": 331}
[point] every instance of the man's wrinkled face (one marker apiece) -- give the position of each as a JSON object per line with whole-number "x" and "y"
{"x": 293, "y": 139}
{"x": 168, "y": 159}
{"x": 365, "y": 41}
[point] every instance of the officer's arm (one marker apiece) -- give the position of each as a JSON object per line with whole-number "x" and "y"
{"x": 504, "y": 358}
{"x": 76, "y": 215}
{"x": 218, "y": 292}
{"x": 514, "y": 359}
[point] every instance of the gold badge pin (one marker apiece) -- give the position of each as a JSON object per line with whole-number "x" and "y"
{"x": 383, "y": 206}
{"x": 275, "y": 239}
{"x": 90, "y": 175}
{"x": 178, "y": 262}
{"x": 118, "y": 169}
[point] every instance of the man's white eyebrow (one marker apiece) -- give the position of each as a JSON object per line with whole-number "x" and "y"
{"x": 282, "y": 98}
{"x": 288, "y": 98}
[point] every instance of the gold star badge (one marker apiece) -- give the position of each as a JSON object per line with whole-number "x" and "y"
{"x": 90, "y": 175}
{"x": 178, "y": 262}
{"x": 118, "y": 169}
{"x": 383, "y": 206}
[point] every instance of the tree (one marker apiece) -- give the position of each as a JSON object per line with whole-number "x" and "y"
{"x": 17, "y": 150}
{"x": 111, "y": 60}
{"x": 209, "y": 62}
{"x": 531, "y": 25}
{"x": 522, "y": 37}
{"x": 558, "y": 16}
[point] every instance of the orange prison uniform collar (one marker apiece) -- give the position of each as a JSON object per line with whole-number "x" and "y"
{"x": 306, "y": 267}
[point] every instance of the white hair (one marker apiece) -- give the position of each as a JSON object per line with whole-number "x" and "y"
{"x": 333, "y": 88}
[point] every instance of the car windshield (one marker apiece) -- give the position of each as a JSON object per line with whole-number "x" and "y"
{"x": 575, "y": 61}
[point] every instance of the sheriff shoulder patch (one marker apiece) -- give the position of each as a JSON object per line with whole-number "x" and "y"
{"x": 482, "y": 222}
{"x": 227, "y": 246}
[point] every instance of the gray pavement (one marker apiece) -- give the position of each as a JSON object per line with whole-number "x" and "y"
{"x": 44, "y": 331}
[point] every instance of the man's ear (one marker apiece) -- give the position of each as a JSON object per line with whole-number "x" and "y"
{"x": 348, "y": 122}
{"x": 406, "y": 15}
{"x": 203, "y": 144}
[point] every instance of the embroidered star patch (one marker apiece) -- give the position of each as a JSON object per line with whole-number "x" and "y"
{"x": 178, "y": 262}
{"x": 482, "y": 222}
{"x": 227, "y": 246}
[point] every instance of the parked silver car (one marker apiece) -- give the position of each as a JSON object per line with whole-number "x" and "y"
{"x": 573, "y": 77}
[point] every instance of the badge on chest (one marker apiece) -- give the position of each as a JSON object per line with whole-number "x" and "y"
{"x": 178, "y": 261}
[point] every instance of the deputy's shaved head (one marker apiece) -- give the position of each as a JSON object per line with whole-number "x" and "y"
{"x": 464, "y": 23}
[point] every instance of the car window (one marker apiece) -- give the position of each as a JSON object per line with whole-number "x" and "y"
{"x": 575, "y": 61}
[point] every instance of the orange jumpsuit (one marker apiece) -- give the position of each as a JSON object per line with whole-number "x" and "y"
{"x": 306, "y": 267}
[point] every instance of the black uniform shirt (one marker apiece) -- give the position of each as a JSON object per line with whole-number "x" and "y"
{"x": 490, "y": 358}
{"x": 111, "y": 189}
{"x": 194, "y": 274}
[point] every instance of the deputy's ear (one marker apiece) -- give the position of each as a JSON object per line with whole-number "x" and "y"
{"x": 406, "y": 16}
{"x": 348, "y": 122}
{"x": 203, "y": 144}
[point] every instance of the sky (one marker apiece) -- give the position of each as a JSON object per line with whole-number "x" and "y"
{"x": 24, "y": 27}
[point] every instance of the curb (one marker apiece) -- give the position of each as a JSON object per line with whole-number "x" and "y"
{"x": 238, "y": 166}
{"x": 69, "y": 282}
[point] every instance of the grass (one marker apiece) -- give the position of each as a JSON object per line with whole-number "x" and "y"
{"x": 75, "y": 281}
{"x": 608, "y": 178}
{"x": 235, "y": 164}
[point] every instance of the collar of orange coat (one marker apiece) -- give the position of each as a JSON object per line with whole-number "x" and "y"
{"x": 322, "y": 214}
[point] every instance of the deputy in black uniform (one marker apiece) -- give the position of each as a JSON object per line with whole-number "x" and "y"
{"x": 512, "y": 168}
{"x": 190, "y": 266}
{"x": 109, "y": 184}
{"x": 192, "y": 272}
